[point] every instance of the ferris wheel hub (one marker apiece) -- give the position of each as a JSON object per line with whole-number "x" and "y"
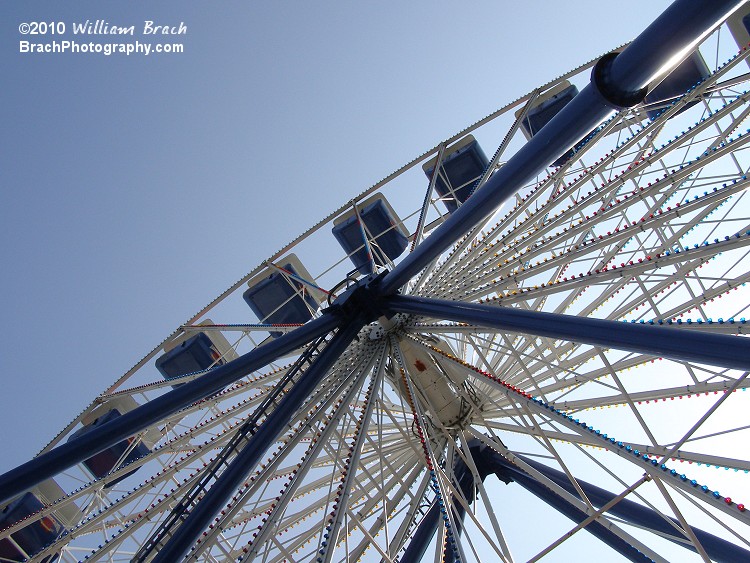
{"x": 361, "y": 297}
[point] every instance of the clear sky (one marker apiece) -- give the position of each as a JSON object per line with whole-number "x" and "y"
{"x": 134, "y": 189}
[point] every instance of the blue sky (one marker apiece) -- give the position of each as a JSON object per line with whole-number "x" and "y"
{"x": 135, "y": 189}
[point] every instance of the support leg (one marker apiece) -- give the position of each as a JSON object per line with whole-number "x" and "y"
{"x": 198, "y": 520}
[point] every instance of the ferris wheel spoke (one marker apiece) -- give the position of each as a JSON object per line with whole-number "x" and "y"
{"x": 275, "y": 509}
{"x": 160, "y": 504}
{"x": 653, "y": 395}
{"x": 607, "y": 282}
{"x": 567, "y": 374}
{"x": 627, "y": 452}
{"x": 181, "y": 541}
{"x": 440, "y": 482}
{"x": 463, "y": 246}
{"x": 48, "y": 464}
{"x": 604, "y": 243}
{"x": 705, "y": 125}
{"x": 333, "y": 462}
{"x": 316, "y": 412}
{"x": 468, "y": 459}
{"x": 658, "y": 219}
{"x": 522, "y": 207}
{"x": 497, "y": 543}
{"x": 182, "y": 444}
{"x": 353, "y": 459}
{"x": 653, "y": 450}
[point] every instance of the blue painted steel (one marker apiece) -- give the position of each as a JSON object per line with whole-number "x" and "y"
{"x": 271, "y": 428}
{"x": 431, "y": 521}
{"x": 620, "y": 80}
{"x": 63, "y": 456}
{"x": 574, "y": 513}
{"x": 718, "y": 549}
{"x": 420, "y": 539}
{"x": 678, "y": 30}
{"x": 690, "y": 72}
{"x": 714, "y": 349}
{"x": 212, "y": 470}
{"x": 580, "y": 116}
{"x": 489, "y": 462}
{"x": 429, "y": 524}
{"x": 623, "y": 79}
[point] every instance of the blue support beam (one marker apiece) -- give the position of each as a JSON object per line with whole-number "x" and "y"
{"x": 683, "y": 345}
{"x": 717, "y": 548}
{"x": 420, "y": 539}
{"x": 267, "y": 433}
{"x": 662, "y": 45}
{"x": 617, "y": 82}
{"x": 595, "y": 528}
{"x": 25, "y": 476}
{"x": 430, "y": 523}
{"x": 489, "y": 462}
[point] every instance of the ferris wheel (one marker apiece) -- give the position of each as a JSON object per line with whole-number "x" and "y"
{"x": 527, "y": 337}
